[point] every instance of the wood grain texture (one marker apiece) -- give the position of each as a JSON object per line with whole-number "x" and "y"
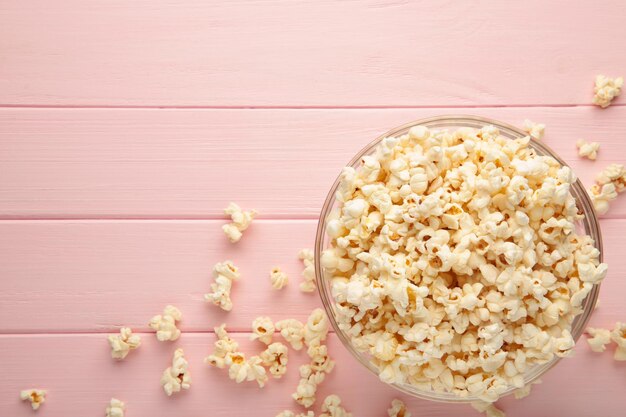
{"x": 94, "y": 276}
{"x": 306, "y": 53}
{"x": 123, "y": 163}
{"x": 72, "y": 363}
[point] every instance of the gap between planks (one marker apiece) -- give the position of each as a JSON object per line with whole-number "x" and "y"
{"x": 292, "y": 107}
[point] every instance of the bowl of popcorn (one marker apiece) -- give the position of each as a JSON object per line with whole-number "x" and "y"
{"x": 458, "y": 258}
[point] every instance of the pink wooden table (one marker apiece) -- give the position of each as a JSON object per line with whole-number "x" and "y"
{"x": 127, "y": 126}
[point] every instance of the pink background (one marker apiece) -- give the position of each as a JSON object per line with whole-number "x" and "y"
{"x": 127, "y": 126}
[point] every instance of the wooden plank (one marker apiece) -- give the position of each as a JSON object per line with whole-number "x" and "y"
{"x": 93, "y": 276}
{"x": 81, "y": 378}
{"x": 306, "y": 53}
{"x": 89, "y": 163}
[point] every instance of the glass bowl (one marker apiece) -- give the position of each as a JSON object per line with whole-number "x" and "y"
{"x": 589, "y": 225}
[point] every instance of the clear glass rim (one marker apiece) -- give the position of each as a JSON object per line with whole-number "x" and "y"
{"x": 583, "y": 201}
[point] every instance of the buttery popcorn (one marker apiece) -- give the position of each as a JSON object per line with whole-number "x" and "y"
{"x": 599, "y": 338}
{"x": 311, "y": 375}
{"x": 536, "y": 130}
{"x": 165, "y": 324}
{"x": 618, "y": 335}
{"x": 275, "y": 358}
{"x": 489, "y": 409}
{"x": 606, "y": 89}
{"x": 115, "y": 408}
{"x": 331, "y": 407}
{"x": 525, "y": 390}
{"x": 224, "y": 274}
{"x": 398, "y": 409}
{"x": 224, "y": 346}
{"x": 176, "y": 377}
{"x": 278, "y": 278}
{"x": 262, "y": 330}
{"x": 455, "y": 262}
{"x": 292, "y": 331}
{"x": 587, "y": 149}
{"x": 240, "y": 221}
{"x": 288, "y": 413}
{"x": 35, "y": 396}
{"x": 123, "y": 343}
{"x": 610, "y": 182}
{"x": 308, "y": 285}
{"x": 240, "y": 369}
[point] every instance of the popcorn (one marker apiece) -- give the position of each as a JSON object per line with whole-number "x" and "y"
{"x": 240, "y": 221}
{"x": 116, "y": 408}
{"x": 176, "y": 377}
{"x": 601, "y": 196}
{"x": 292, "y": 331}
{"x": 587, "y": 149}
{"x": 525, "y": 390}
{"x": 224, "y": 273}
{"x": 275, "y": 358}
{"x": 455, "y": 262}
{"x": 536, "y": 130}
{"x": 279, "y": 278}
{"x": 223, "y": 347}
{"x": 262, "y": 330}
{"x": 288, "y": 413}
{"x": 398, "y": 409}
{"x": 332, "y": 408}
{"x": 123, "y": 343}
{"x": 307, "y": 387}
{"x": 316, "y": 328}
{"x": 489, "y": 409}
{"x": 599, "y": 338}
{"x": 606, "y": 89}
{"x": 618, "y": 335}
{"x": 240, "y": 369}
{"x": 165, "y": 324}
{"x": 35, "y": 396}
{"x": 306, "y": 255}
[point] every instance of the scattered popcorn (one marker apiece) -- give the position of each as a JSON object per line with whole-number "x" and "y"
{"x": 525, "y": 390}
{"x": 316, "y": 328}
{"x": 601, "y": 196}
{"x": 313, "y": 374}
{"x": 240, "y": 221}
{"x": 587, "y": 149}
{"x": 165, "y": 324}
{"x": 123, "y": 343}
{"x": 609, "y": 183}
{"x": 292, "y": 331}
{"x": 288, "y": 413}
{"x": 398, "y": 409}
{"x": 176, "y": 377}
{"x": 489, "y": 409}
{"x": 116, "y": 408}
{"x": 262, "y": 330}
{"x": 599, "y": 338}
{"x": 275, "y": 358}
{"x": 307, "y": 387}
{"x": 455, "y": 262}
{"x": 223, "y": 347}
{"x": 224, "y": 273}
{"x": 536, "y": 130}
{"x": 606, "y": 89}
{"x": 240, "y": 369}
{"x": 306, "y": 255}
{"x": 35, "y": 396}
{"x": 618, "y": 335}
{"x": 279, "y": 278}
{"x": 332, "y": 408}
